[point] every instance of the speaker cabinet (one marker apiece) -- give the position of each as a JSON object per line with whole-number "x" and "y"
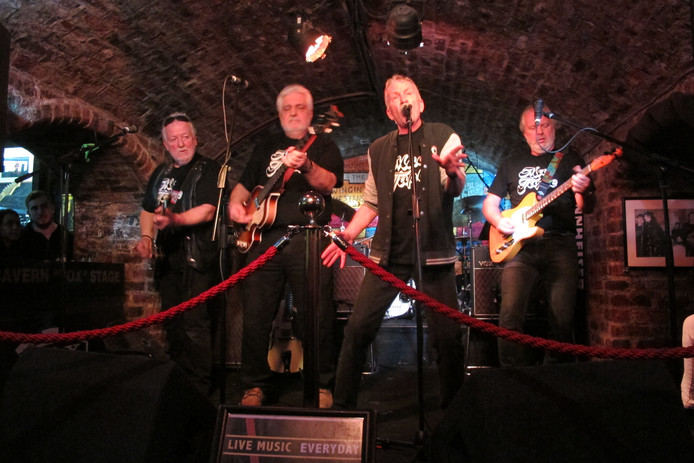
{"x": 60, "y": 405}
{"x": 604, "y": 411}
{"x": 347, "y": 280}
{"x": 486, "y": 284}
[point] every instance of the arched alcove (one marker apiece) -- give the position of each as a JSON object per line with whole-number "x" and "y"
{"x": 106, "y": 186}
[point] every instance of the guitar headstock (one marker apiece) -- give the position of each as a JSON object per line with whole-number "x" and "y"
{"x": 606, "y": 158}
{"x": 325, "y": 122}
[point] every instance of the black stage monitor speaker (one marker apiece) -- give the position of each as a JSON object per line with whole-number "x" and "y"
{"x": 267, "y": 434}
{"x": 60, "y": 405}
{"x": 605, "y": 411}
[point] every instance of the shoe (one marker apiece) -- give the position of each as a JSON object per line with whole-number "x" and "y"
{"x": 252, "y": 397}
{"x": 325, "y": 398}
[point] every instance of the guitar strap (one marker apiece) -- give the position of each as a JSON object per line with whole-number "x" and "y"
{"x": 549, "y": 175}
{"x": 287, "y": 175}
{"x": 289, "y": 172}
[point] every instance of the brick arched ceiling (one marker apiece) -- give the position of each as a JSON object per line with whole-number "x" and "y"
{"x": 596, "y": 63}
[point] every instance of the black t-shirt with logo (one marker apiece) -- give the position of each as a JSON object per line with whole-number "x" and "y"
{"x": 267, "y": 159}
{"x": 521, "y": 175}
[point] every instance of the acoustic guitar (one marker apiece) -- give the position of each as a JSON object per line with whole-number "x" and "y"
{"x": 524, "y": 216}
{"x": 262, "y": 204}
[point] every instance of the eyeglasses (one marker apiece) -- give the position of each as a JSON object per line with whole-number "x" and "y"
{"x": 176, "y": 117}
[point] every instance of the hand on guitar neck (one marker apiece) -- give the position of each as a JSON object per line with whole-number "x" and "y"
{"x": 163, "y": 217}
{"x": 255, "y": 211}
{"x": 147, "y": 247}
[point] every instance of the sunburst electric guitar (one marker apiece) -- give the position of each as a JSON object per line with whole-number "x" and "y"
{"x": 529, "y": 211}
{"x": 262, "y": 204}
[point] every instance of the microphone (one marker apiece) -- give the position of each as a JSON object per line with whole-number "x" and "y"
{"x": 21, "y": 178}
{"x": 90, "y": 148}
{"x": 406, "y": 108}
{"x": 539, "y": 104}
{"x": 236, "y": 80}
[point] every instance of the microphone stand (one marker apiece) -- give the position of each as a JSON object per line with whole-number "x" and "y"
{"x": 663, "y": 164}
{"x": 221, "y": 224}
{"x": 420, "y": 437}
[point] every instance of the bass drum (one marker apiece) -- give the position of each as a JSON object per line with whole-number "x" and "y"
{"x": 402, "y": 306}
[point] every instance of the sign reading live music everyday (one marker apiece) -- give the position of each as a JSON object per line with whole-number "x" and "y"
{"x": 74, "y": 295}
{"x": 283, "y": 434}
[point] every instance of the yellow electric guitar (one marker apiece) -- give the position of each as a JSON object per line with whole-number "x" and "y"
{"x": 529, "y": 211}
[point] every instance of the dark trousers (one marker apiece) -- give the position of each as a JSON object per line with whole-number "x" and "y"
{"x": 553, "y": 260}
{"x": 189, "y": 335}
{"x": 262, "y": 294}
{"x": 373, "y": 300}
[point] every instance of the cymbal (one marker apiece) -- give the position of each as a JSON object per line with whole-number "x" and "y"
{"x": 343, "y": 210}
{"x": 472, "y": 202}
{"x": 468, "y": 209}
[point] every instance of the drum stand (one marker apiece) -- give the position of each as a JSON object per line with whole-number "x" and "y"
{"x": 465, "y": 291}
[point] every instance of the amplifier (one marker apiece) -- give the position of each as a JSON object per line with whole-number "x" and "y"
{"x": 486, "y": 284}
{"x": 347, "y": 280}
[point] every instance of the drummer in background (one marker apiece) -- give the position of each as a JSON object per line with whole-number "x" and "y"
{"x": 388, "y": 195}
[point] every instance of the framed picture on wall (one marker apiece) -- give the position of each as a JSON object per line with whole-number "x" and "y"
{"x": 646, "y": 239}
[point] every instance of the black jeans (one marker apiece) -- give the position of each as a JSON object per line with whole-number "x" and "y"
{"x": 554, "y": 261}
{"x": 262, "y": 293}
{"x": 189, "y": 335}
{"x": 374, "y": 299}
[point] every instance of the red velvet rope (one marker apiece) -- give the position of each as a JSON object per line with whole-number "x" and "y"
{"x": 472, "y": 322}
{"x": 489, "y": 328}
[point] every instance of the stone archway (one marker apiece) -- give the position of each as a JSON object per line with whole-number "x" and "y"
{"x": 108, "y": 193}
{"x": 31, "y": 102}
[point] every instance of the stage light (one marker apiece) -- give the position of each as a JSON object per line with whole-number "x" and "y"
{"x": 403, "y": 28}
{"x": 310, "y": 42}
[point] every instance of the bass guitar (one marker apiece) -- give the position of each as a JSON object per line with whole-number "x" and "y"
{"x": 524, "y": 216}
{"x": 262, "y": 204}
{"x": 157, "y": 251}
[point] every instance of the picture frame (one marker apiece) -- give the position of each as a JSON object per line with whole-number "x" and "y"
{"x": 644, "y": 235}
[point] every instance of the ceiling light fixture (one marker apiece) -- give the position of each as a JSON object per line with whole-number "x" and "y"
{"x": 310, "y": 42}
{"x": 403, "y": 28}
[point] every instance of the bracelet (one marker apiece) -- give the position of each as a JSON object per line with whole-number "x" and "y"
{"x": 309, "y": 170}
{"x": 147, "y": 236}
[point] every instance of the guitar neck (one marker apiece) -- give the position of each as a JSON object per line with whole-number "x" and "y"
{"x": 269, "y": 185}
{"x": 554, "y": 194}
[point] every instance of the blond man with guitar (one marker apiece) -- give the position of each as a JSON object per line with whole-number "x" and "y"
{"x": 263, "y": 204}
{"x": 537, "y": 248}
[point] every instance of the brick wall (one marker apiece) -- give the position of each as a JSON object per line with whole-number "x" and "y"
{"x": 629, "y": 307}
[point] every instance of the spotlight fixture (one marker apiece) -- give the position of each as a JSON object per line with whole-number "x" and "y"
{"x": 310, "y": 42}
{"x": 403, "y": 28}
